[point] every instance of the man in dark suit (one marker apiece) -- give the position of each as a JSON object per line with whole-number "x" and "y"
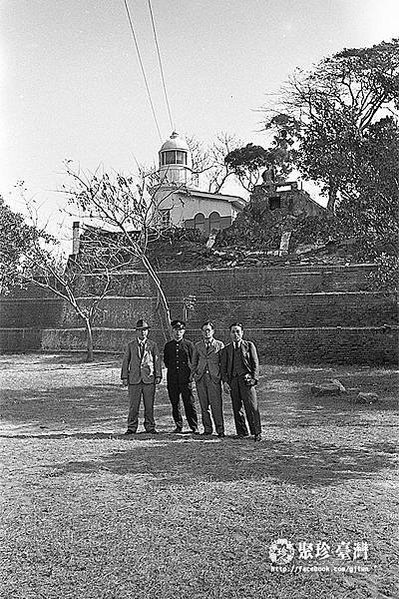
{"x": 206, "y": 374}
{"x": 178, "y": 356}
{"x": 141, "y": 371}
{"x": 240, "y": 373}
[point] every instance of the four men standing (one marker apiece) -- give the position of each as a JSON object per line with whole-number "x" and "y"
{"x": 208, "y": 363}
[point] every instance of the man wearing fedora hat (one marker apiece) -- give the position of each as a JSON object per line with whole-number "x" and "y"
{"x": 141, "y": 371}
{"x": 178, "y": 357}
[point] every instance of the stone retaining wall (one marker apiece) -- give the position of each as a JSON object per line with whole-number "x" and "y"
{"x": 294, "y": 314}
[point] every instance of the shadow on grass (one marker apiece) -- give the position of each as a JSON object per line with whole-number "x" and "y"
{"x": 78, "y": 407}
{"x": 283, "y": 404}
{"x": 172, "y": 462}
{"x": 54, "y": 363}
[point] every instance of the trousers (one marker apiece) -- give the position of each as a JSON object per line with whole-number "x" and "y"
{"x": 241, "y": 395}
{"x": 210, "y": 399}
{"x": 175, "y": 390}
{"x": 136, "y": 392}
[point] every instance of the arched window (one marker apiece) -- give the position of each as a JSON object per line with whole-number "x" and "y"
{"x": 199, "y": 222}
{"x": 214, "y": 221}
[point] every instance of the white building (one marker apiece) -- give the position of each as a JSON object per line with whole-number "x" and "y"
{"x": 177, "y": 198}
{"x": 180, "y": 202}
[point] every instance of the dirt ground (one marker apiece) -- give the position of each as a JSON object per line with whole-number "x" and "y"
{"x": 91, "y": 514}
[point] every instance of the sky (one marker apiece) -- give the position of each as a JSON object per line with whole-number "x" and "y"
{"x": 71, "y": 85}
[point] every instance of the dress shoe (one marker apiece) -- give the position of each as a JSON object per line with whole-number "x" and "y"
{"x": 178, "y": 429}
{"x": 221, "y": 435}
{"x": 154, "y": 432}
{"x": 205, "y": 434}
{"x": 195, "y": 431}
{"x": 258, "y": 438}
{"x": 129, "y": 432}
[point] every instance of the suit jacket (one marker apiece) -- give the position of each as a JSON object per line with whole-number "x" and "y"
{"x": 178, "y": 359}
{"x": 207, "y": 360}
{"x": 144, "y": 369}
{"x": 249, "y": 357}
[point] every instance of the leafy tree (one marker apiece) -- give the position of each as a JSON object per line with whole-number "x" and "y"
{"x": 252, "y": 163}
{"x": 282, "y": 152}
{"x": 329, "y": 111}
{"x": 369, "y": 210}
{"x": 248, "y": 163}
{"x": 17, "y": 239}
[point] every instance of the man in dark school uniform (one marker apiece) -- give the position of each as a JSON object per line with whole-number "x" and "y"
{"x": 178, "y": 356}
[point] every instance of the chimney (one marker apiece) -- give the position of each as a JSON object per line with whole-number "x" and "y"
{"x": 75, "y": 237}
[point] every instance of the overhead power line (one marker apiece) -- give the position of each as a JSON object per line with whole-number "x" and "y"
{"x": 165, "y": 91}
{"x": 142, "y": 69}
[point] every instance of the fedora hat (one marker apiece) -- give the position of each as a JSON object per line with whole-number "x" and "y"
{"x": 142, "y": 324}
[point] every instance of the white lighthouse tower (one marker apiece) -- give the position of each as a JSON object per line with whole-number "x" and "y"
{"x": 179, "y": 201}
{"x": 175, "y": 161}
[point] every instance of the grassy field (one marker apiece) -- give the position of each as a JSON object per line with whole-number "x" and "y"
{"x": 88, "y": 513}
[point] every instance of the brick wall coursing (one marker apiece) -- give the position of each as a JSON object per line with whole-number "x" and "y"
{"x": 17, "y": 340}
{"x": 290, "y": 312}
{"x": 239, "y": 281}
{"x": 310, "y": 310}
{"x": 304, "y": 310}
{"x": 133, "y": 284}
{"x": 265, "y": 281}
{"x": 289, "y": 346}
{"x": 31, "y": 312}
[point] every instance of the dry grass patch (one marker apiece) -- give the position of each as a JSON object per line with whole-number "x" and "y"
{"x": 90, "y": 514}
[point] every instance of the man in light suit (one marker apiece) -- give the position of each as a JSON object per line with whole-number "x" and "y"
{"x": 141, "y": 371}
{"x": 240, "y": 373}
{"x": 206, "y": 374}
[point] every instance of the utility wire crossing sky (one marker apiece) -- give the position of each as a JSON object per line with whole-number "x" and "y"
{"x": 73, "y": 87}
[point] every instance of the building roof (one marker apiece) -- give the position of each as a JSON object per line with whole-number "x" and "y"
{"x": 175, "y": 142}
{"x": 235, "y": 201}
{"x": 302, "y": 193}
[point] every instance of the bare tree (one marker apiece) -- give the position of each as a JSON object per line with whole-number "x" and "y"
{"x": 210, "y": 159}
{"x": 129, "y": 209}
{"x": 50, "y": 271}
{"x": 200, "y": 158}
{"x": 219, "y": 149}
